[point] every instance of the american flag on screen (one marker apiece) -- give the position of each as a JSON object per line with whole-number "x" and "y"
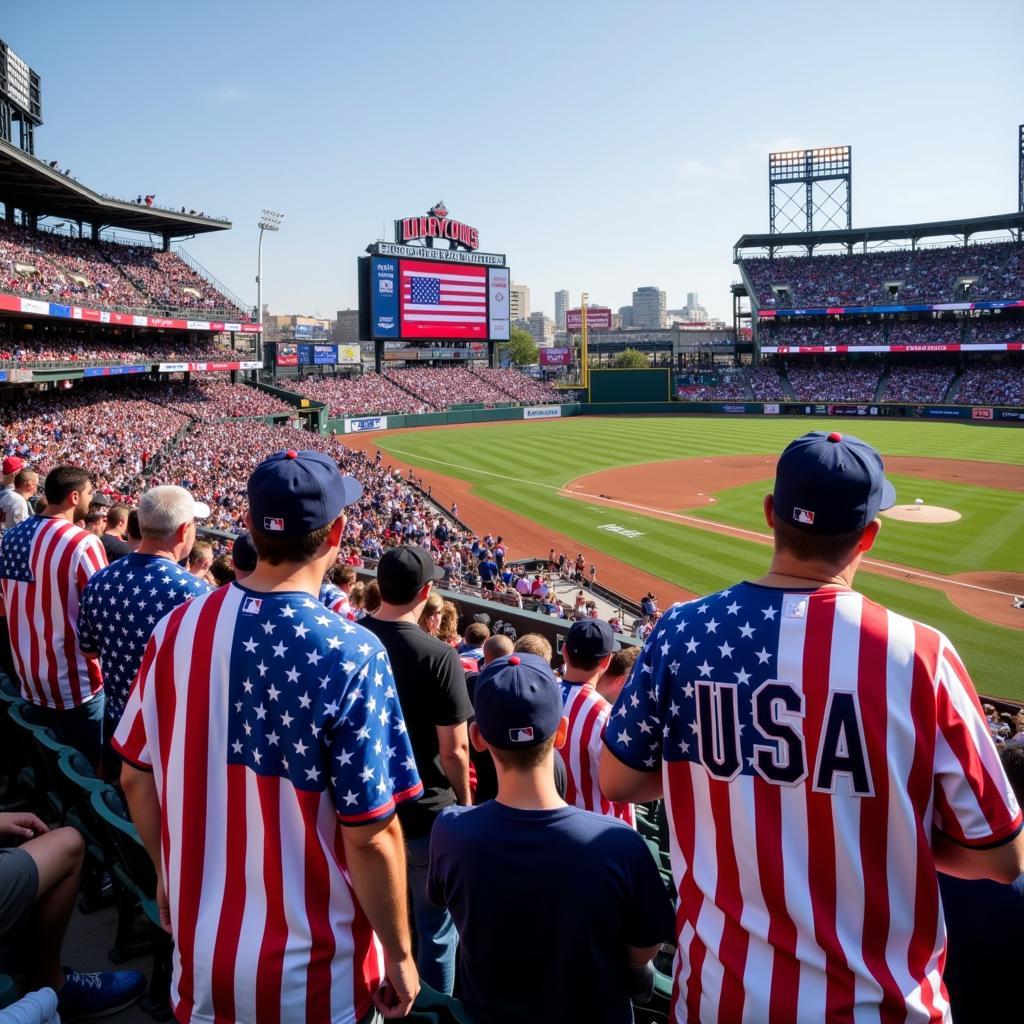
{"x": 444, "y": 301}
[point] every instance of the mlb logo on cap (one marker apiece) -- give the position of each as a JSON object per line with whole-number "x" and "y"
{"x": 521, "y": 735}
{"x": 803, "y": 515}
{"x": 273, "y": 525}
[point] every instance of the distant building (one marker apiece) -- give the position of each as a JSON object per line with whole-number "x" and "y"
{"x": 346, "y": 327}
{"x": 649, "y": 308}
{"x": 561, "y": 305}
{"x": 625, "y": 316}
{"x": 292, "y": 326}
{"x": 519, "y": 301}
{"x": 542, "y": 329}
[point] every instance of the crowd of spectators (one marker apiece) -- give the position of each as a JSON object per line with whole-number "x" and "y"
{"x": 766, "y": 385}
{"x": 214, "y": 399}
{"x": 731, "y": 385}
{"x": 821, "y": 382}
{"x": 823, "y": 333}
{"x": 422, "y": 389}
{"x": 995, "y": 330}
{"x": 48, "y": 265}
{"x": 27, "y": 350}
{"x": 927, "y": 331}
{"x": 893, "y": 276}
{"x": 992, "y": 384}
{"x": 918, "y": 383}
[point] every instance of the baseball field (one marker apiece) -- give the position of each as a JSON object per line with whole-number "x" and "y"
{"x": 673, "y": 505}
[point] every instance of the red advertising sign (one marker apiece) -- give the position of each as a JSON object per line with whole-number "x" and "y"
{"x": 437, "y": 224}
{"x": 555, "y": 356}
{"x": 599, "y": 318}
{"x": 287, "y": 355}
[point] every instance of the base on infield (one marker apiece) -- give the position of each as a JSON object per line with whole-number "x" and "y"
{"x": 922, "y": 514}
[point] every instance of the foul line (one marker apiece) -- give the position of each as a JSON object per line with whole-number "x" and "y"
{"x": 709, "y": 524}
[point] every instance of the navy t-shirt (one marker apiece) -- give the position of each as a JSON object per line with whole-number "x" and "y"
{"x": 546, "y": 903}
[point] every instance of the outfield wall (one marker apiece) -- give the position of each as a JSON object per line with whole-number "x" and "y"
{"x": 459, "y": 415}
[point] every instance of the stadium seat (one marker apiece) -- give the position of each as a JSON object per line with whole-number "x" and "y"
{"x": 431, "y": 1007}
{"x": 28, "y": 754}
{"x": 8, "y": 991}
{"x": 135, "y": 884}
{"x": 77, "y": 783}
{"x": 9, "y": 763}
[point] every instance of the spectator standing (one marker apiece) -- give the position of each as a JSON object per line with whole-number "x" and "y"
{"x": 812, "y": 742}
{"x": 14, "y": 507}
{"x": 432, "y": 689}
{"x": 473, "y": 639}
{"x": 527, "y": 848}
{"x": 200, "y": 559}
{"x": 112, "y": 538}
{"x": 587, "y": 651}
{"x": 276, "y": 722}
{"x": 123, "y": 602}
{"x": 45, "y": 564}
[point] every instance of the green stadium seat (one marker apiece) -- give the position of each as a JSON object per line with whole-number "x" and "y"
{"x": 8, "y": 991}
{"x": 28, "y": 754}
{"x": 135, "y": 884}
{"x": 77, "y": 783}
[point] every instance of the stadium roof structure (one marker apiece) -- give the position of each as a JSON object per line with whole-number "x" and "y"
{"x": 966, "y": 226}
{"x": 26, "y": 183}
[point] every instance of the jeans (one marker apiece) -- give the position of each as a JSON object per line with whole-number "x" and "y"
{"x": 80, "y": 727}
{"x": 436, "y": 937}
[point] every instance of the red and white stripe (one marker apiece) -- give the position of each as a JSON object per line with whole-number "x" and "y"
{"x": 265, "y": 920}
{"x": 588, "y": 713}
{"x": 796, "y": 905}
{"x": 42, "y": 617}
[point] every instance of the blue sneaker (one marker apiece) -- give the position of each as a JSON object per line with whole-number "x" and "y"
{"x": 99, "y": 993}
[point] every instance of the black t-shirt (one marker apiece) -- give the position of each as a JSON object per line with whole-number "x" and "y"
{"x": 432, "y": 692}
{"x": 546, "y": 903}
{"x": 114, "y": 547}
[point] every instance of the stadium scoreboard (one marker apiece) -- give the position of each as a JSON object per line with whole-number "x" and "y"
{"x": 19, "y": 85}
{"x": 428, "y": 293}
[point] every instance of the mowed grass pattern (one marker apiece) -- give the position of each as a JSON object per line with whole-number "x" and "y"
{"x": 521, "y": 466}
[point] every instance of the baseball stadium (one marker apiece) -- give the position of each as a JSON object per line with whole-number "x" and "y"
{"x": 189, "y": 479}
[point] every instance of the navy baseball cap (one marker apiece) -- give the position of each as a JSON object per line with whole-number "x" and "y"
{"x": 590, "y": 638}
{"x": 831, "y": 483}
{"x": 292, "y": 493}
{"x": 243, "y": 553}
{"x": 517, "y": 702}
{"x": 403, "y": 570}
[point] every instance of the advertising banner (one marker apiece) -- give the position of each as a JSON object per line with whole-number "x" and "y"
{"x": 981, "y": 413}
{"x": 599, "y": 318}
{"x": 112, "y": 371}
{"x": 498, "y": 304}
{"x": 384, "y": 298}
{"x": 772, "y": 408}
{"x": 314, "y": 332}
{"x": 555, "y": 356}
{"x": 349, "y": 354}
{"x": 173, "y": 367}
{"x": 356, "y": 426}
{"x": 542, "y": 412}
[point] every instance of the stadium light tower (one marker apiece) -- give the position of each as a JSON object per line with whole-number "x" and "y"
{"x": 270, "y": 220}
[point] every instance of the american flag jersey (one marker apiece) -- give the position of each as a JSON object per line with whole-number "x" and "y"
{"x": 45, "y": 563}
{"x": 336, "y": 599}
{"x": 120, "y": 606}
{"x": 268, "y": 722}
{"x": 587, "y": 712}
{"x": 809, "y": 743}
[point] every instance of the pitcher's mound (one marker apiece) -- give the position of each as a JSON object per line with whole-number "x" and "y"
{"x": 922, "y": 514}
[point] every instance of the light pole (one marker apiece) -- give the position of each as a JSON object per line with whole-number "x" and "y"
{"x": 270, "y": 220}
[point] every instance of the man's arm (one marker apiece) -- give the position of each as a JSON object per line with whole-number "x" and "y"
{"x": 375, "y": 856}
{"x": 453, "y": 745}
{"x": 1003, "y": 863}
{"x": 144, "y": 807}
{"x": 623, "y": 784}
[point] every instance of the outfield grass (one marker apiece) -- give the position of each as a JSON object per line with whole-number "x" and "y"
{"x": 520, "y": 466}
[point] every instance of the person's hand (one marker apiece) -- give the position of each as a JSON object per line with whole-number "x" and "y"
{"x": 398, "y": 988}
{"x": 162, "y": 905}
{"x": 22, "y": 824}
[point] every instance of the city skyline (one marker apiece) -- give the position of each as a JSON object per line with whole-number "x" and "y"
{"x": 633, "y": 166}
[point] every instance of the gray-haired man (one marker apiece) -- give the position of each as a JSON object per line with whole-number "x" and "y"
{"x": 123, "y": 602}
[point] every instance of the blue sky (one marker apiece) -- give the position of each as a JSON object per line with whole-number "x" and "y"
{"x": 601, "y": 145}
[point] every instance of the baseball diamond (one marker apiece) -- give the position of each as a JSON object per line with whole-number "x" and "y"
{"x": 556, "y": 482}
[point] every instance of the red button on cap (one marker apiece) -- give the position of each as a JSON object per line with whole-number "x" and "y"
{"x": 835, "y": 437}
{"x": 513, "y": 660}
{"x": 294, "y": 454}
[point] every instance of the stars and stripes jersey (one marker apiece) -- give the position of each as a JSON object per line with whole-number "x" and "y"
{"x": 45, "y": 563}
{"x": 336, "y": 599}
{"x": 587, "y": 712}
{"x": 120, "y": 606}
{"x": 810, "y": 745}
{"x": 268, "y": 722}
